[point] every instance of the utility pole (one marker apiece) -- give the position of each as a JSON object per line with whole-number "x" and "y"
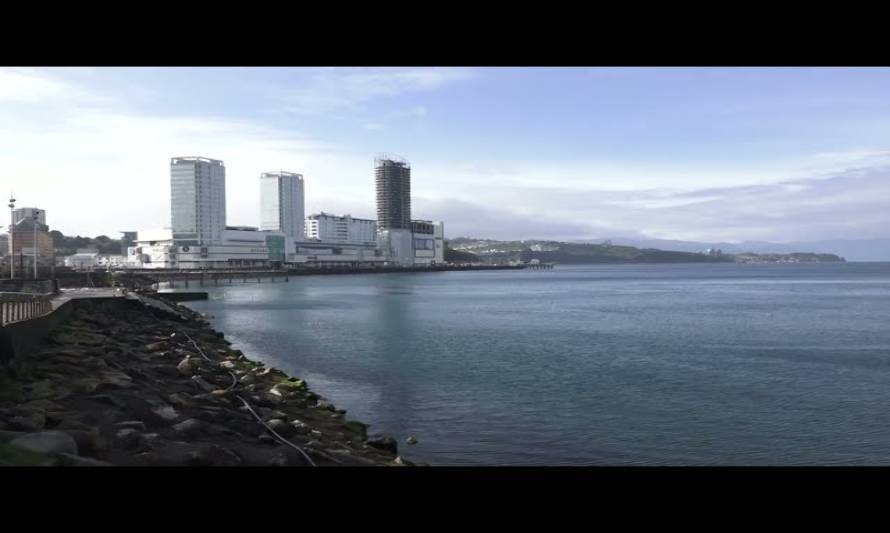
{"x": 36, "y": 219}
{"x": 11, "y": 225}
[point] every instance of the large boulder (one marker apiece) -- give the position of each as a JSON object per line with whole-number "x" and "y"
{"x": 387, "y": 444}
{"x": 46, "y": 442}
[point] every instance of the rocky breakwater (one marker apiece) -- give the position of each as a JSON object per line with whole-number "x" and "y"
{"x": 122, "y": 384}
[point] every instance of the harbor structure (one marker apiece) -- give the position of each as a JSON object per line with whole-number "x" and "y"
{"x": 341, "y": 229}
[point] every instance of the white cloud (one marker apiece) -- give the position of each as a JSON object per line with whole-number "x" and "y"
{"x": 332, "y": 89}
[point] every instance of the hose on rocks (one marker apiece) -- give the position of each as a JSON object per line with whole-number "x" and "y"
{"x": 249, "y": 408}
{"x": 246, "y": 404}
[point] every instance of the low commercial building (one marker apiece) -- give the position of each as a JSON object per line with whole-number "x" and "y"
{"x": 241, "y": 247}
{"x": 429, "y": 242}
{"x": 326, "y": 227}
{"x": 84, "y": 259}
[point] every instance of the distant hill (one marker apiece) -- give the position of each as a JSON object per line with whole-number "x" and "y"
{"x": 575, "y": 253}
{"x": 460, "y": 256}
{"x": 850, "y": 249}
{"x": 65, "y": 245}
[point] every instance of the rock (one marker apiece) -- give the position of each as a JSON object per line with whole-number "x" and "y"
{"x": 88, "y": 442}
{"x": 180, "y": 399}
{"x": 219, "y": 393}
{"x": 28, "y": 421}
{"x": 66, "y": 459}
{"x": 213, "y": 455}
{"x": 247, "y": 379}
{"x": 315, "y": 434}
{"x": 166, "y": 412}
{"x": 358, "y": 427}
{"x": 279, "y": 459}
{"x": 107, "y": 399}
{"x": 267, "y": 438}
{"x": 228, "y": 365}
{"x": 42, "y": 405}
{"x": 299, "y": 427}
{"x": 387, "y": 444}
{"x": 157, "y": 346}
{"x": 131, "y": 424}
{"x": 147, "y": 441}
{"x": 203, "y": 384}
{"x": 190, "y": 427}
{"x": 281, "y": 427}
{"x": 6, "y": 436}
{"x": 186, "y": 368}
{"x": 264, "y": 400}
{"x": 411, "y": 440}
{"x": 113, "y": 380}
{"x": 46, "y": 442}
{"x": 326, "y": 405}
{"x": 127, "y": 439}
{"x": 70, "y": 423}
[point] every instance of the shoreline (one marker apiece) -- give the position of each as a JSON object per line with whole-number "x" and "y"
{"x": 133, "y": 383}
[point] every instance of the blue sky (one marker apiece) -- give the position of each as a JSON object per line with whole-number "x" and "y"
{"x": 726, "y": 154}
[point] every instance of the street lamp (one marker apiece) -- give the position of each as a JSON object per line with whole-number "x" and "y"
{"x": 36, "y": 218}
{"x": 11, "y": 248}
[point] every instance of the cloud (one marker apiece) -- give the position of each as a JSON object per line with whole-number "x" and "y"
{"x": 333, "y": 89}
{"x": 846, "y": 205}
{"x": 373, "y": 126}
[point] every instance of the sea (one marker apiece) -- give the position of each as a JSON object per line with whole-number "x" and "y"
{"x": 656, "y": 364}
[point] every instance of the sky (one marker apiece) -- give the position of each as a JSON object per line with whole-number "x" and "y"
{"x": 708, "y": 154}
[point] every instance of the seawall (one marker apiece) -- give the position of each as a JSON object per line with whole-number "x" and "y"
{"x": 119, "y": 382}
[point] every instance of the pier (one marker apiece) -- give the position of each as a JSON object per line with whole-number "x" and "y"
{"x": 539, "y": 266}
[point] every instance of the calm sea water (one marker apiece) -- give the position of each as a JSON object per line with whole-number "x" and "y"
{"x": 700, "y": 364}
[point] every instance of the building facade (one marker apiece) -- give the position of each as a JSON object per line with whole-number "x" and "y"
{"x": 197, "y": 200}
{"x": 282, "y": 203}
{"x": 393, "y": 188}
{"x": 428, "y": 241}
{"x": 330, "y": 228}
{"x": 28, "y": 212}
{"x": 21, "y": 244}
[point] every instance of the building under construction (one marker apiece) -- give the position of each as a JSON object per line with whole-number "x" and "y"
{"x": 393, "y": 179}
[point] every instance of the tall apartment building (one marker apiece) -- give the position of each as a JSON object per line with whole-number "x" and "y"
{"x": 282, "y": 203}
{"x": 393, "y": 184}
{"x": 198, "y": 200}
{"x": 344, "y": 230}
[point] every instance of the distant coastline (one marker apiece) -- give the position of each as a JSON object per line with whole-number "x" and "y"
{"x": 500, "y": 252}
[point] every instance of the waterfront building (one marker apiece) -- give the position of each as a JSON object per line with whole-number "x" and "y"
{"x": 343, "y": 230}
{"x": 239, "y": 247}
{"x": 197, "y": 201}
{"x": 282, "y": 203}
{"x": 428, "y": 242}
{"x": 393, "y": 187}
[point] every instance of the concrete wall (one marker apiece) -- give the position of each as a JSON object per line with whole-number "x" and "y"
{"x": 21, "y": 339}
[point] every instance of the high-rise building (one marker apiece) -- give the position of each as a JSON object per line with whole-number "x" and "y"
{"x": 282, "y": 204}
{"x": 22, "y": 213}
{"x": 346, "y": 229}
{"x": 198, "y": 200}
{"x": 393, "y": 181}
